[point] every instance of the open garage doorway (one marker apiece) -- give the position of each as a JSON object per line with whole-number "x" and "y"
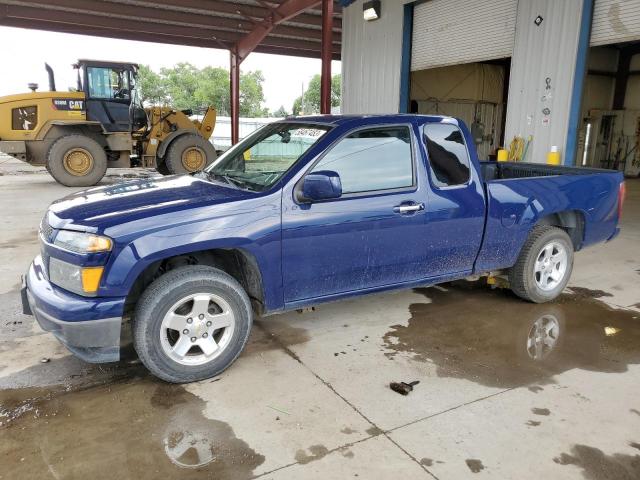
{"x": 474, "y": 92}
{"x": 609, "y": 136}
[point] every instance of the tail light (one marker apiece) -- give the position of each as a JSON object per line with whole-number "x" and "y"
{"x": 622, "y": 193}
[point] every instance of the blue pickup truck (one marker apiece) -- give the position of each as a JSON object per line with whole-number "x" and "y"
{"x": 303, "y": 211}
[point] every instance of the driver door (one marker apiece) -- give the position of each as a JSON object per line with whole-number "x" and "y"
{"x": 109, "y": 97}
{"x": 374, "y": 234}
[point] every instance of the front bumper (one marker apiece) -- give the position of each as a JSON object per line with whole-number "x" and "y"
{"x": 88, "y": 327}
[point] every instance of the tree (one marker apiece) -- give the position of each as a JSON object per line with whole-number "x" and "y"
{"x": 185, "y": 86}
{"x": 279, "y": 113}
{"x": 252, "y": 95}
{"x": 213, "y": 89}
{"x": 297, "y": 106}
{"x": 311, "y": 96}
{"x": 151, "y": 86}
{"x": 181, "y": 82}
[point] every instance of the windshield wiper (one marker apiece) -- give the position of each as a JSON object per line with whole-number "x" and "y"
{"x": 225, "y": 178}
{"x": 235, "y": 181}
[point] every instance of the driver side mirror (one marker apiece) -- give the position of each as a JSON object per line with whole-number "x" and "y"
{"x": 320, "y": 185}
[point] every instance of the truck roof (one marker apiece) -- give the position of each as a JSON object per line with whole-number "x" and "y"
{"x": 377, "y": 118}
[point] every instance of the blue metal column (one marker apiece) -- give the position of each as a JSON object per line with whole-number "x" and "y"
{"x": 578, "y": 82}
{"x": 405, "y": 65}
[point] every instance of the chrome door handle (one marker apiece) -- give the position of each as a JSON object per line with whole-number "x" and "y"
{"x": 409, "y": 208}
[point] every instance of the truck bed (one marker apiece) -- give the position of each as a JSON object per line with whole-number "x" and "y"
{"x": 509, "y": 170}
{"x": 519, "y": 195}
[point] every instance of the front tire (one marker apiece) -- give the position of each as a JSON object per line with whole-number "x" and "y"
{"x": 544, "y": 266}
{"x": 189, "y": 153}
{"x": 76, "y": 161}
{"x": 191, "y": 324}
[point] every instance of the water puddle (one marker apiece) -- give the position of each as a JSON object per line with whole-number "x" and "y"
{"x": 596, "y": 465}
{"x": 496, "y": 339}
{"x": 138, "y": 428}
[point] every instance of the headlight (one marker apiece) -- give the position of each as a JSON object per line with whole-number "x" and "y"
{"x": 76, "y": 279}
{"x": 81, "y": 242}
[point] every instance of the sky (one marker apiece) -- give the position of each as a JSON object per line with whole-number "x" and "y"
{"x": 24, "y": 63}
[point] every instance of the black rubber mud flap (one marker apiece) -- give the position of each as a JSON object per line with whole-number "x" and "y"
{"x": 26, "y": 308}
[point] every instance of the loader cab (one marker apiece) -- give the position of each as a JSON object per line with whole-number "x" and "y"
{"x": 111, "y": 95}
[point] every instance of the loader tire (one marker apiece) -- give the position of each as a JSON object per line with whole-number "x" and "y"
{"x": 544, "y": 266}
{"x": 189, "y": 153}
{"x": 161, "y": 167}
{"x": 76, "y": 161}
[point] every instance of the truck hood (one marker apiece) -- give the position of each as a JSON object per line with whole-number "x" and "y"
{"x": 97, "y": 209}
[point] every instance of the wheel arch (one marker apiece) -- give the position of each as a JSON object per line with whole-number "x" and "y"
{"x": 571, "y": 221}
{"x": 241, "y": 264}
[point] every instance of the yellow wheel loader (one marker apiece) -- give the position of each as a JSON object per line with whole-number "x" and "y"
{"x": 79, "y": 134}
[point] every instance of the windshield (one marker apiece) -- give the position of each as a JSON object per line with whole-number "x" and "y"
{"x": 264, "y": 157}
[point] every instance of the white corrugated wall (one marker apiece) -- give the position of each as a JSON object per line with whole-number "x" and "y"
{"x": 371, "y": 56}
{"x": 541, "y": 52}
{"x": 449, "y": 32}
{"x": 615, "y": 21}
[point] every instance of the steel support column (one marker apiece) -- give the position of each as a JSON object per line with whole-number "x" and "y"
{"x": 326, "y": 55}
{"x": 234, "y": 82}
{"x": 622, "y": 78}
{"x": 243, "y": 47}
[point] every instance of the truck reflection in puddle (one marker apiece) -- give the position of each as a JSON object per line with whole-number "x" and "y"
{"x": 137, "y": 428}
{"x": 496, "y": 339}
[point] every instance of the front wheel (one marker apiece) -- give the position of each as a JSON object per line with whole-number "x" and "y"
{"x": 544, "y": 266}
{"x": 191, "y": 324}
{"x": 188, "y": 153}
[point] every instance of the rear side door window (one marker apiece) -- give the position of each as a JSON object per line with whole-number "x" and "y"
{"x": 372, "y": 160}
{"x": 448, "y": 154}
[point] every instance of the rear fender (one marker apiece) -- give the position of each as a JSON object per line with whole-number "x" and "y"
{"x": 516, "y": 206}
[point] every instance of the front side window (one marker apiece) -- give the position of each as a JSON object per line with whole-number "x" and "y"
{"x": 108, "y": 83}
{"x": 448, "y": 155}
{"x": 370, "y": 160}
{"x": 263, "y": 158}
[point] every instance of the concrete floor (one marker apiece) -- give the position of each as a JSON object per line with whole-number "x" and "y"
{"x": 309, "y": 398}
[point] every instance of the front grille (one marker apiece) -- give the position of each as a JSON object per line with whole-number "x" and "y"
{"x": 46, "y": 230}
{"x": 46, "y": 233}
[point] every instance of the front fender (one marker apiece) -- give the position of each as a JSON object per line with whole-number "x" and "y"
{"x": 253, "y": 228}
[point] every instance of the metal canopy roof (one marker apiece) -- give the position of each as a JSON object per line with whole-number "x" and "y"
{"x": 293, "y": 27}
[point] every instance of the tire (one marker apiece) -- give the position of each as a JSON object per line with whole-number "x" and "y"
{"x": 152, "y": 338}
{"x": 177, "y": 159}
{"x": 76, "y": 161}
{"x": 532, "y": 285}
{"x": 161, "y": 167}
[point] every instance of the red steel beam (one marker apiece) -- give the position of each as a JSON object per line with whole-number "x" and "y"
{"x": 213, "y": 7}
{"x": 164, "y": 17}
{"x": 234, "y": 83}
{"x": 147, "y": 37}
{"x": 325, "y": 77}
{"x": 124, "y": 26}
{"x": 284, "y": 12}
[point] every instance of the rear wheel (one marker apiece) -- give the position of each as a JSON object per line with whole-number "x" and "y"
{"x": 544, "y": 266}
{"x": 189, "y": 153}
{"x": 76, "y": 161}
{"x": 191, "y": 324}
